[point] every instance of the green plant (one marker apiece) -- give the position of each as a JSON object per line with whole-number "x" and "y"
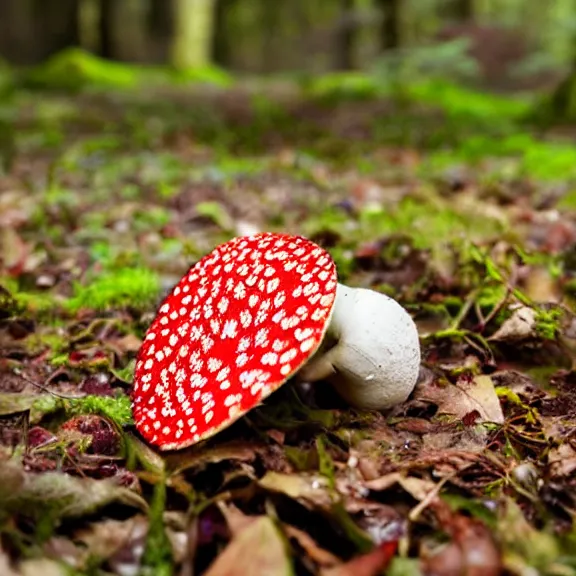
{"x": 133, "y": 287}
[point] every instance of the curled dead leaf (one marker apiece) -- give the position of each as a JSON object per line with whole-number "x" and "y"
{"x": 258, "y": 549}
{"x": 109, "y": 537}
{"x": 320, "y": 556}
{"x": 59, "y": 494}
{"x": 193, "y": 458}
{"x": 472, "y": 550}
{"x": 307, "y": 489}
{"x": 521, "y": 325}
{"x": 235, "y": 518}
{"x": 466, "y": 397}
{"x": 370, "y": 564}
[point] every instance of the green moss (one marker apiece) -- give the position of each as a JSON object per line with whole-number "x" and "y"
{"x": 526, "y": 155}
{"x": 24, "y": 301}
{"x": 54, "y": 339}
{"x": 548, "y": 323}
{"x": 216, "y": 212}
{"x": 228, "y": 168}
{"x": 459, "y": 101}
{"x": 567, "y": 201}
{"x": 490, "y": 296}
{"x": 205, "y": 75}
{"x": 74, "y": 69}
{"x": 428, "y": 223}
{"x": 343, "y": 86}
{"x": 117, "y": 408}
{"x": 135, "y": 288}
{"x": 36, "y": 302}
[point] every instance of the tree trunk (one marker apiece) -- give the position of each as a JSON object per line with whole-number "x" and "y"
{"x": 269, "y": 30}
{"x": 459, "y": 10}
{"x": 193, "y": 33}
{"x": 345, "y": 37}
{"x": 160, "y": 29}
{"x": 15, "y": 31}
{"x": 390, "y": 24}
{"x": 160, "y": 17}
{"x": 222, "y": 38}
{"x": 106, "y": 29}
{"x": 56, "y": 26}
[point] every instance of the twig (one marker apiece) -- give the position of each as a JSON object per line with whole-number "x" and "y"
{"x": 44, "y": 388}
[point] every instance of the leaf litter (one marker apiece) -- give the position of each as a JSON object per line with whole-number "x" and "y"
{"x": 474, "y": 474}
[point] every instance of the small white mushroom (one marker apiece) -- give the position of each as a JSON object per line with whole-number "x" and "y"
{"x": 371, "y": 353}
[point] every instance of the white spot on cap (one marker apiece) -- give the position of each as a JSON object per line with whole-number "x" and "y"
{"x": 307, "y": 345}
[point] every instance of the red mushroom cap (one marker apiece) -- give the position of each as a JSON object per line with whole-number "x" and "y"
{"x": 243, "y": 320}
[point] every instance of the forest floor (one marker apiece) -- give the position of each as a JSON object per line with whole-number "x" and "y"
{"x": 453, "y": 206}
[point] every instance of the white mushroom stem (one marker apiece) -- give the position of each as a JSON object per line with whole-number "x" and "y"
{"x": 375, "y": 360}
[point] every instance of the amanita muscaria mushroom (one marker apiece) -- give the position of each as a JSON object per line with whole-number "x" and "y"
{"x": 250, "y": 315}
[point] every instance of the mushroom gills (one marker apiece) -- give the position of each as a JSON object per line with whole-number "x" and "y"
{"x": 375, "y": 359}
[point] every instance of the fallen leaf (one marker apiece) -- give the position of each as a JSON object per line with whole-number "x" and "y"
{"x": 472, "y": 550}
{"x": 521, "y": 325}
{"x": 108, "y": 537}
{"x": 526, "y": 550}
{"x": 235, "y": 518}
{"x": 383, "y": 482}
{"x": 59, "y": 494}
{"x": 562, "y": 460}
{"x": 12, "y": 403}
{"x": 369, "y": 564}
{"x": 258, "y": 550}
{"x": 179, "y": 461}
{"x": 307, "y": 489}
{"x": 5, "y": 568}
{"x": 128, "y": 343}
{"x": 42, "y": 566}
{"x": 319, "y": 555}
{"x": 465, "y": 397}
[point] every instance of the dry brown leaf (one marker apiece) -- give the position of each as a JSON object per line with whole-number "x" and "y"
{"x": 41, "y": 566}
{"x": 193, "y": 457}
{"x": 257, "y": 550}
{"x": 468, "y": 396}
{"x": 418, "y": 488}
{"x": 56, "y": 492}
{"x": 5, "y": 567}
{"x": 235, "y": 518}
{"x": 103, "y": 539}
{"x": 383, "y": 482}
{"x": 128, "y": 343}
{"x": 562, "y": 460}
{"x": 322, "y": 557}
{"x": 370, "y": 564}
{"x": 472, "y": 551}
{"x": 521, "y": 325}
{"x": 307, "y": 489}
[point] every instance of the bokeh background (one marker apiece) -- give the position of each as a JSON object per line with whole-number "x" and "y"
{"x": 500, "y": 44}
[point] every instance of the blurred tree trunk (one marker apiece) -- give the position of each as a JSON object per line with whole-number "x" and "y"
{"x": 106, "y": 28}
{"x": 560, "y": 106}
{"x": 15, "y": 31}
{"x": 56, "y": 26}
{"x": 345, "y": 36}
{"x": 269, "y": 25}
{"x": 160, "y": 28}
{"x": 390, "y": 25}
{"x": 222, "y": 37}
{"x": 459, "y": 10}
{"x": 192, "y": 43}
